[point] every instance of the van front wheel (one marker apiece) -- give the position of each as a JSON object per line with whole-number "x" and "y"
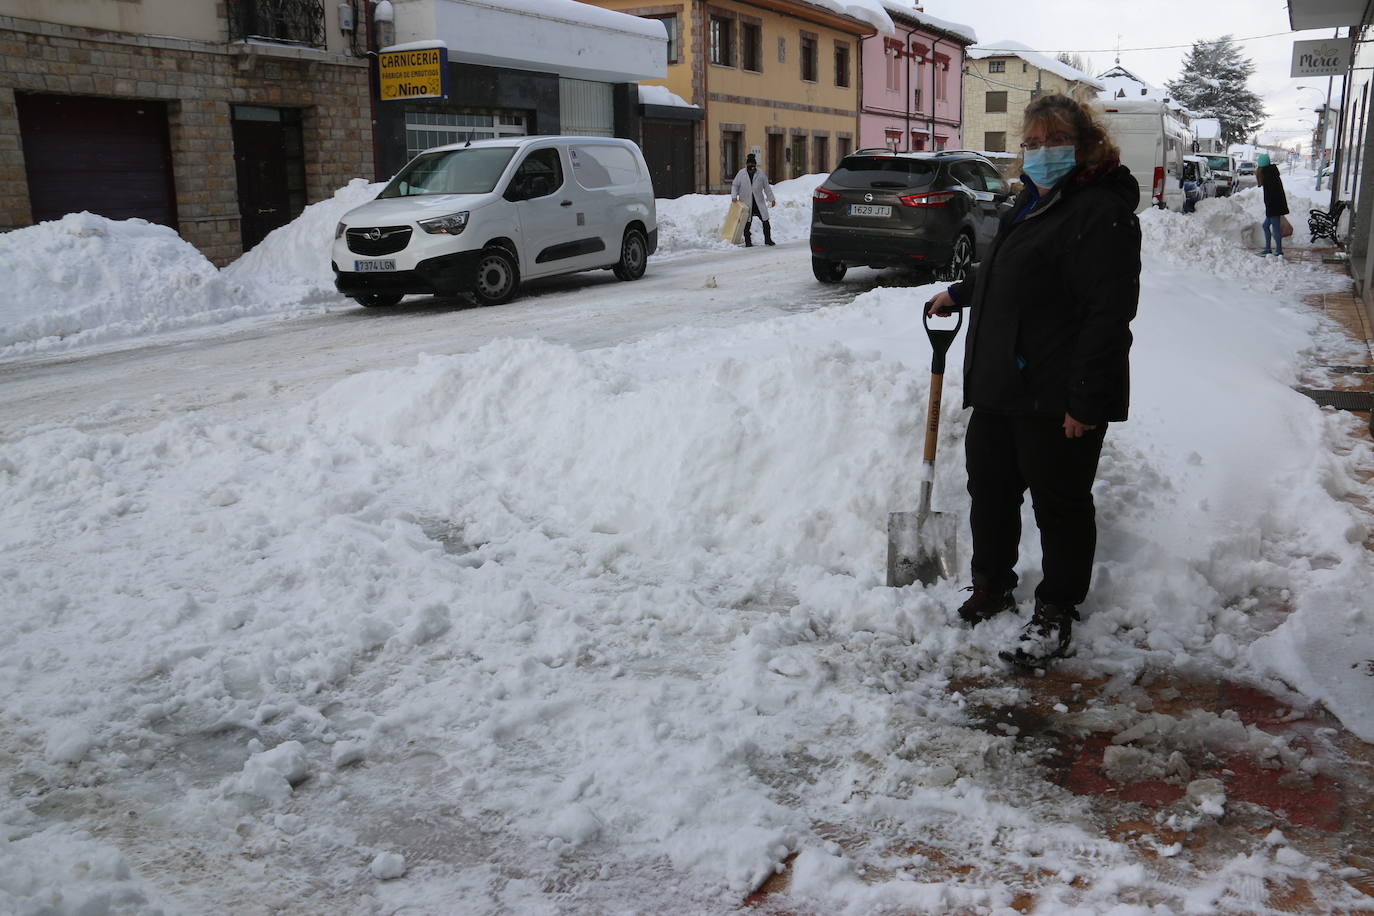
{"x": 497, "y": 277}
{"x": 634, "y": 256}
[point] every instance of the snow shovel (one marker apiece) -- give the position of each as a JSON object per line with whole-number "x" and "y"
{"x": 920, "y": 544}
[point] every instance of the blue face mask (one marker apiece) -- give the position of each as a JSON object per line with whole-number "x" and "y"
{"x": 1046, "y": 165}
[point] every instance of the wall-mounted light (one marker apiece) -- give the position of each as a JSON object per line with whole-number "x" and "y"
{"x": 384, "y": 21}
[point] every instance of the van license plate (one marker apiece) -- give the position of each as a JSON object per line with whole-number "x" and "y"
{"x": 869, "y": 210}
{"x": 363, "y": 267}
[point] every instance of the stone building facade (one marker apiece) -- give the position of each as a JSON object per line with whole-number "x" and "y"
{"x": 105, "y": 111}
{"x": 1000, "y": 80}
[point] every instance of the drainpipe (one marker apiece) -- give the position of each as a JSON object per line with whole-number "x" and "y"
{"x": 906, "y": 122}
{"x": 934, "y": 63}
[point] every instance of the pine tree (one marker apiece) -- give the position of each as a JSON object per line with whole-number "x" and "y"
{"x": 1213, "y": 85}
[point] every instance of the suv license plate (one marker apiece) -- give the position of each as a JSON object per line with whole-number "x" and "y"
{"x": 869, "y": 210}
{"x": 363, "y": 267}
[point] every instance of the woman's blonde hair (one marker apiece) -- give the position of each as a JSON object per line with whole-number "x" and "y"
{"x": 1061, "y": 114}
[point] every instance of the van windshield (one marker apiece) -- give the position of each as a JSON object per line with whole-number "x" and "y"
{"x": 1219, "y": 162}
{"x": 883, "y": 172}
{"x": 454, "y": 171}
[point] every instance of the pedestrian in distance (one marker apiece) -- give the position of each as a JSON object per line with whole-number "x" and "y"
{"x": 1192, "y": 193}
{"x": 1046, "y": 367}
{"x": 1275, "y": 204}
{"x": 751, "y": 183}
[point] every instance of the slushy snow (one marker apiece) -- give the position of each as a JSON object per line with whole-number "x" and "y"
{"x": 455, "y": 636}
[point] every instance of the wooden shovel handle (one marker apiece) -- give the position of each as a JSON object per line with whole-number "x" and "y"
{"x": 937, "y": 386}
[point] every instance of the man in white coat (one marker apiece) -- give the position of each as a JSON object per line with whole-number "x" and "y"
{"x": 752, "y": 184}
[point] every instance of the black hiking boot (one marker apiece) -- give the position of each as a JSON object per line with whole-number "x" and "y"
{"x": 1045, "y": 638}
{"x": 985, "y": 604}
{"x": 767, "y": 233}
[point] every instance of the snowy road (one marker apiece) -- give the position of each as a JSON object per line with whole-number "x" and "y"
{"x": 239, "y": 371}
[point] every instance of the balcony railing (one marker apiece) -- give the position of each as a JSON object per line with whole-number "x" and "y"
{"x": 297, "y": 22}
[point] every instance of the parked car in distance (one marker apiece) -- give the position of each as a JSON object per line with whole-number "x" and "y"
{"x": 1224, "y": 170}
{"x": 1196, "y": 168}
{"x": 1245, "y": 175}
{"x": 481, "y": 217}
{"x": 932, "y": 212}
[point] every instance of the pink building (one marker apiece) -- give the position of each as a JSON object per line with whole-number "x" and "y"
{"x": 912, "y": 94}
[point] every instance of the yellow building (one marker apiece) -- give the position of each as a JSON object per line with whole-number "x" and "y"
{"x": 778, "y": 78}
{"x": 1000, "y": 79}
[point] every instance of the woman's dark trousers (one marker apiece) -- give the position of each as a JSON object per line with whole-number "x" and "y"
{"x": 1008, "y": 454}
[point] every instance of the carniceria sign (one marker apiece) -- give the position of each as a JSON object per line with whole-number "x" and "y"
{"x": 1323, "y": 57}
{"x": 417, "y": 71}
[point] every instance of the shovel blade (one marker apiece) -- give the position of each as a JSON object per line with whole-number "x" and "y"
{"x": 920, "y": 548}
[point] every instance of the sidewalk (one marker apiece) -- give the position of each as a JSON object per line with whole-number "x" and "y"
{"x": 1137, "y": 777}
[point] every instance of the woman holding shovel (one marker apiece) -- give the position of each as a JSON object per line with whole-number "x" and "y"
{"x": 1046, "y": 366}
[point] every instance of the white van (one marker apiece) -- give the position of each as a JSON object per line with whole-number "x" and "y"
{"x": 1153, "y": 142}
{"x": 481, "y": 217}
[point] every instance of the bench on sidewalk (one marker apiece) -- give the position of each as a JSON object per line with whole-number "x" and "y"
{"x": 1322, "y": 224}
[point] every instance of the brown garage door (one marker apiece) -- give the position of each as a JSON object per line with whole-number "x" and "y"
{"x": 108, "y": 156}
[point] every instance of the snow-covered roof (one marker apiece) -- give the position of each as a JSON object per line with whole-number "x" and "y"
{"x": 659, "y": 95}
{"x": 870, "y": 11}
{"x": 1007, "y": 48}
{"x": 953, "y": 29}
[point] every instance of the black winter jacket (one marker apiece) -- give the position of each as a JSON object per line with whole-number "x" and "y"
{"x": 1275, "y": 201}
{"x": 1052, "y": 302}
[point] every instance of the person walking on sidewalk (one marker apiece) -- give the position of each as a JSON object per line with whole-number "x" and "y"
{"x": 751, "y": 183}
{"x": 1275, "y": 204}
{"x": 1046, "y": 367}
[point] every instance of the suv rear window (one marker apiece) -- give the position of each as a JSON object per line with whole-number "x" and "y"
{"x": 883, "y": 172}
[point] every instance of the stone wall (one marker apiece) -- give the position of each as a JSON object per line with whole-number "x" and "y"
{"x": 199, "y": 81}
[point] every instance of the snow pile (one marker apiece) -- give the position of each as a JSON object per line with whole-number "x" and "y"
{"x": 290, "y": 267}
{"x": 85, "y": 279}
{"x": 693, "y": 222}
{"x": 456, "y": 633}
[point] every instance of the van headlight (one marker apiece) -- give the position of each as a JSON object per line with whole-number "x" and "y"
{"x": 339, "y": 230}
{"x": 452, "y": 224}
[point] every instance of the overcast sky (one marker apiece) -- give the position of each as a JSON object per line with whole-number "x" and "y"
{"x": 1096, "y": 28}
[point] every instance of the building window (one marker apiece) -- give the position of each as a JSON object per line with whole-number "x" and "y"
{"x": 892, "y": 50}
{"x": 670, "y": 25}
{"x": 995, "y": 102}
{"x": 844, "y": 146}
{"x": 782, "y": 50}
{"x": 940, "y": 142}
{"x": 731, "y": 141}
{"x": 941, "y": 82}
{"x": 798, "y": 155}
{"x": 995, "y": 141}
{"x": 916, "y": 98}
{"x": 893, "y": 139}
{"x": 1023, "y": 67}
{"x": 821, "y": 145}
{"x": 842, "y": 64}
{"x": 808, "y": 58}
{"x": 722, "y": 41}
{"x": 751, "y": 46}
{"x": 429, "y": 129}
{"x": 997, "y": 66}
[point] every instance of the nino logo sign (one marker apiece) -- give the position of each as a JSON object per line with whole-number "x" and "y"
{"x": 412, "y": 73}
{"x": 1323, "y": 57}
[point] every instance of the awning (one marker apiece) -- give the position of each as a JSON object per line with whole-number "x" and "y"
{"x": 1325, "y": 14}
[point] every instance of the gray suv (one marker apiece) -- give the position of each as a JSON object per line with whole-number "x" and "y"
{"x": 935, "y": 213}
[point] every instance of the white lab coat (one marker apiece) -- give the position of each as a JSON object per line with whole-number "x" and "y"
{"x": 759, "y": 190}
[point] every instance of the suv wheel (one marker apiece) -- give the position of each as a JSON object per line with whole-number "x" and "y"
{"x": 827, "y": 271}
{"x": 634, "y": 256}
{"x": 497, "y": 277}
{"x": 959, "y": 261}
{"x": 377, "y": 300}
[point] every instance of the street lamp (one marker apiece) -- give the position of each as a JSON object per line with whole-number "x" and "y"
{"x": 1319, "y": 148}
